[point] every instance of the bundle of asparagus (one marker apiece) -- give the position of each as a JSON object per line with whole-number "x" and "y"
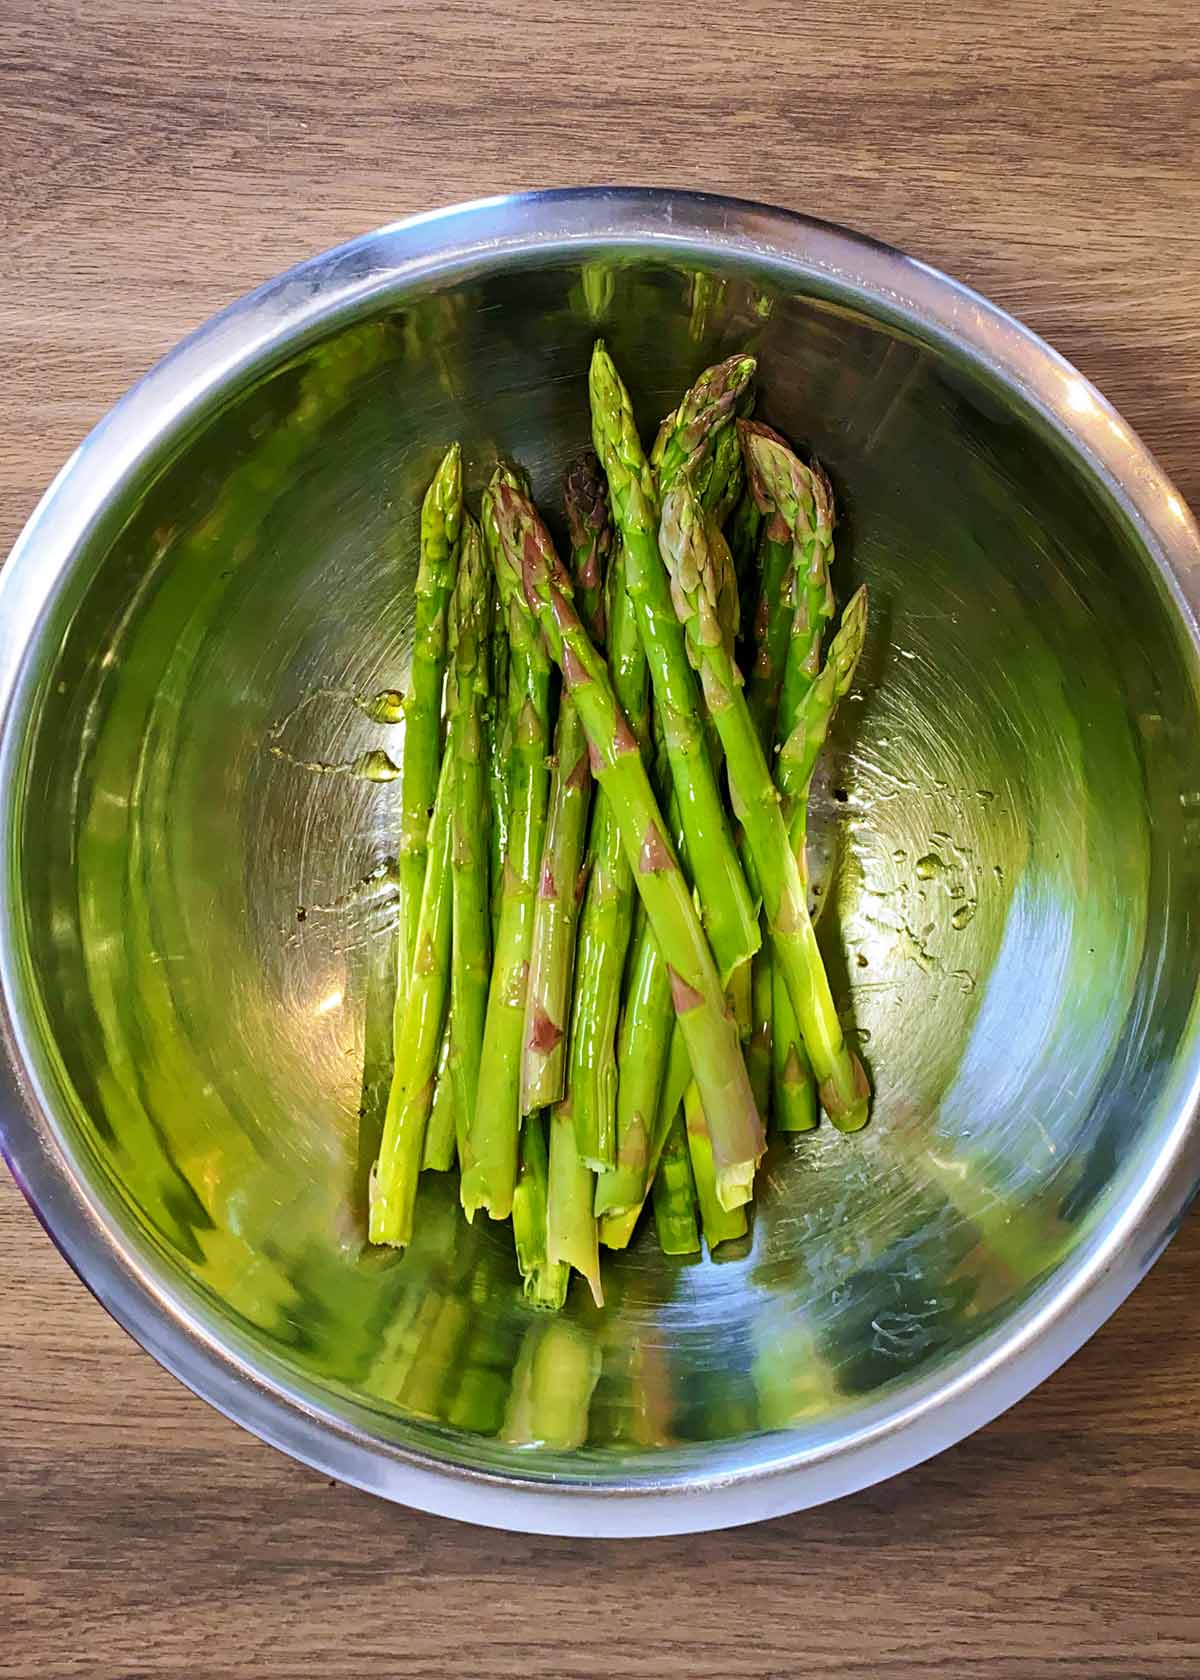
{"x": 609, "y": 983}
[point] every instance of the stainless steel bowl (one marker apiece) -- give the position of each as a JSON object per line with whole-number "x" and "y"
{"x": 196, "y": 911}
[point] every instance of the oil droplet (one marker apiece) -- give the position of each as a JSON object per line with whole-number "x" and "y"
{"x": 860, "y": 960}
{"x": 374, "y": 766}
{"x": 385, "y": 707}
{"x": 928, "y": 866}
{"x": 998, "y": 871}
{"x": 900, "y": 855}
{"x": 965, "y": 980}
{"x": 963, "y": 914}
{"x": 985, "y": 794}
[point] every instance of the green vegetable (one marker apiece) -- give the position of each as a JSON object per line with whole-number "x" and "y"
{"x": 467, "y": 700}
{"x": 441, "y": 518}
{"x": 490, "y": 1156}
{"x": 545, "y": 1280}
{"x": 675, "y": 1195}
{"x": 420, "y": 1017}
{"x": 730, "y": 918}
{"x": 617, "y": 765}
{"x": 552, "y": 956}
{"x": 606, "y": 919}
{"x": 845, "y": 1093}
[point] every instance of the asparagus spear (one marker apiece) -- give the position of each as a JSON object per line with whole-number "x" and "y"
{"x": 440, "y": 1131}
{"x": 585, "y": 502}
{"x": 571, "y": 1234}
{"x": 617, "y": 1227}
{"x": 499, "y": 753}
{"x": 795, "y": 499}
{"x": 441, "y": 517}
{"x": 617, "y": 765}
{"x": 686, "y": 438}
{"x": 721, "y": 1223}
{"x": 698, "y": 439}
{"x": 759, "y": 1050}
{"x": 467, "y": 713}
{"x": 721, "y": 489}
{"x": 642, "y": 1056}
{"x": 545, "y": 1280}
{"x": 552, "y": 957}
{"x": 420, "y": 1016}
{"x": 606, "y": 919}
{"x": 685, "y": 544}
{"x": 801, "y": 748}
{"x": 730, "y": 918}
{"x": 675, "y": 1195}
{"x": 643, "y": 1046}
{"x": 490, "y": 1159}
{"x": 470, "y": 943}
{"x": 794, "y": 1088}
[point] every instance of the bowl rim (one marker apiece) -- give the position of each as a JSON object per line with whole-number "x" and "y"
{"x": 283, "y": 314}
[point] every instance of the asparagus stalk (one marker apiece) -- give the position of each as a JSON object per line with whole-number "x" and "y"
{"x": 675, "y": 1195}
{"x": 545, "y": 1280}
{"x": 721, "y": 483}
{"x": 499, "y": 754}
{"x": 642, "y": 1056}
{"x": 794, "y": 768}
{"x": 801, "y": 748}
{"x": 470, "y": 943}
{"x": 792, "y": 1080}
{"x": 585, "y": 502}
{"x": 685, "y": 544}
{"x": 471, "y": 934}
{"x": 696, "y": 989}
{"x": 696, "y": 439}
{"x": 759, "y": 1050}
{"x": 643, "y": 1046}
{"x": 420, "y": 1017}
{"x": 617, "y": 1227}
{"x": 720, "y": 1223}
{"x": 572, "y": 1234}
{"x": 796, "y": 500}
{"x": 441, "y": 517}
{"x": 730, "y": 917}
{"x": 440, "y": 1129}
{"x": 490, "y": 1158}
{"x": 687, "y": 439}
{"x": 552, "y": 957}
{"x": 606, "y": 919}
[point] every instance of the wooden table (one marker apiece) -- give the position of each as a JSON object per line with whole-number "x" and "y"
{"x": 157, "y": 159}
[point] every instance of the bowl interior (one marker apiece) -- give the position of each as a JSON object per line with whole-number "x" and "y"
{"x": 207, "y": 906}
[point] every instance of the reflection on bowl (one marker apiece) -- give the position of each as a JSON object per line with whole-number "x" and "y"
{"x": 206, "y": 624}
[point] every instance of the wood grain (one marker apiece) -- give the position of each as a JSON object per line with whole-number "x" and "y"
{"x": 158, "y": 159}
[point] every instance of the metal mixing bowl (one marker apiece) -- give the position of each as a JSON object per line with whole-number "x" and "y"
{"x": 196, "y": 912}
